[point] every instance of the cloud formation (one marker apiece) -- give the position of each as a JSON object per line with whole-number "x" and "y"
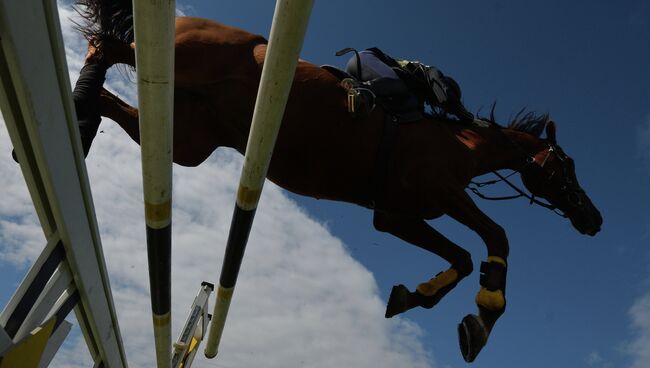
{"x": 639, "y": 347}
{"x": 301, "y": 299}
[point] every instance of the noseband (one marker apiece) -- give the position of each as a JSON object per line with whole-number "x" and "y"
{"x": 571, "y": 192}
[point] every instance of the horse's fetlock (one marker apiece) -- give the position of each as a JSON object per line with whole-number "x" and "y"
{"x": 493, "y": 301}
{"x": 442, "y": 280}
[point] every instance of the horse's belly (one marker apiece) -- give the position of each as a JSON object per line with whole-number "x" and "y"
{"x": 312, "y": 174}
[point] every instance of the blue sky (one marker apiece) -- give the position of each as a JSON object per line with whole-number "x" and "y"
{"x": 573, "y": 301}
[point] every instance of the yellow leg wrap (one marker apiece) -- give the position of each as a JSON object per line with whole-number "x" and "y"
{"x": 491, "y": 300}
{"x": 431, "y": 287}
{"x": 497, "y": 260}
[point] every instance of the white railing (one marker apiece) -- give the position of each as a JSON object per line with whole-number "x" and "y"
{"x": 287, "y": 34}
{"x": 154, "y": 22}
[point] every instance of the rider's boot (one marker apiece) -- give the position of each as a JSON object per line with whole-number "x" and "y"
{"x": 473, "y": 331}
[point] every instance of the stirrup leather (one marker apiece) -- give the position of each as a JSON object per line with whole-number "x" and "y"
{"x": 361, "y": 99}
{"x": 493, "y": 284}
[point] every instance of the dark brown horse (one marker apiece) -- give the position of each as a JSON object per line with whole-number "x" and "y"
{"x": 323, "y": 152}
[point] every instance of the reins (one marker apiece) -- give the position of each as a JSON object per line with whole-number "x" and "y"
{"x": 475, "y": 186}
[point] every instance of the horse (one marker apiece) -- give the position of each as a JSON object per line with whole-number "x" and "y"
{"x": 324, "y": 152}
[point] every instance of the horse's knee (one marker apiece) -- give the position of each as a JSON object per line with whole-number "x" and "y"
{"x": 497, "y": 242}
{"x": 464, "y": 264}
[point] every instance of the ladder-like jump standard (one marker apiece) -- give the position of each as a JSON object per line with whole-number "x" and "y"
{"x": 37, "y": 106}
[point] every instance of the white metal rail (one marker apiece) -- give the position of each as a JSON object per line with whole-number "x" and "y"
{"x": 285, "y": 42}
{"x": 154, "y": 39}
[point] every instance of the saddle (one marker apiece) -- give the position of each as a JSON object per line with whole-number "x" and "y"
{"x": 401, "y": 88}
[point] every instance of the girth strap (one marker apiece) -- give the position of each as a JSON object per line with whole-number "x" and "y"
{"x": 388, "y": 139}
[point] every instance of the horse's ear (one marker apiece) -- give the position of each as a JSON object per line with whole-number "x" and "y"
{"x": 550, "y": 131}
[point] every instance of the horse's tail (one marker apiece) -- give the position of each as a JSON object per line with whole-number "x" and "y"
{"x": 105, "y": 20}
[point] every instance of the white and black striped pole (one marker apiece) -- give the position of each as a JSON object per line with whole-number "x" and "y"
{"x": 287, "y": 34}
{"x": 154, "y": 23}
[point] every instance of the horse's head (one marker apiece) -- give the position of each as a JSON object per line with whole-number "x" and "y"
{"x": 550, "y": 174}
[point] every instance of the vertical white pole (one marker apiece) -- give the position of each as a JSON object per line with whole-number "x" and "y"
{"x": 287, "y": 34}
{"x": 154, "y": 23}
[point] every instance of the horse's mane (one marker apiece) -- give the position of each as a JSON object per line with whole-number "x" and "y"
{"x": 105, "y": 20}
{"x": 524, "y": 121}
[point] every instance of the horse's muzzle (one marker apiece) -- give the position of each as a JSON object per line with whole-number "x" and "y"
{"x": 585, "y": 217}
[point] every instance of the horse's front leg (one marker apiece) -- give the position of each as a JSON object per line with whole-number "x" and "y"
{"x": 86, "y": 95}
{"x": 475, "y": 330}
{"x": 416, "y": 231}
{"x": 87, "y": 91}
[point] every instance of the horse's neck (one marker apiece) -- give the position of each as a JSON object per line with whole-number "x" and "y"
{"x": 503, "y": 148}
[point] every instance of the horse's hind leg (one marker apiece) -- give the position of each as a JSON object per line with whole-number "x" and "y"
{"x": 416, "y": 231}
{"x": 125, "y": 115}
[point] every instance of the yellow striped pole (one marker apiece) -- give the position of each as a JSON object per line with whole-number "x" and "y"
{"x": 154, "y": 26}
{"x": 287, "y": 34}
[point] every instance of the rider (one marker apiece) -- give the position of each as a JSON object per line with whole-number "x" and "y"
{"x": 427, "y": 83}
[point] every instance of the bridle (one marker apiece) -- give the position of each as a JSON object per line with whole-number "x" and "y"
{"x": 569, "y": 190}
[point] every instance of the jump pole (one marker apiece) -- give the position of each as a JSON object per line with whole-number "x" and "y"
{"x": 287, "y": 34}
{"x": 155, "y": 31}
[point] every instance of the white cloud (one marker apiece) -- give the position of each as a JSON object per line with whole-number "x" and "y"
{"x": 21, "y": 236}
{"x": 301, "y": 299}
{"x": 593, "y": 358}
{"x": 639, "y": 347}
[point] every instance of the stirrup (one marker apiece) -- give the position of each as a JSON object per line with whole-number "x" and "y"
{"x": 361, "y": 100}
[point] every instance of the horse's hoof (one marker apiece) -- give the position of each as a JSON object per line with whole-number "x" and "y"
{"x": 398, "y": 301}
{"x": 472, "y": 336}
